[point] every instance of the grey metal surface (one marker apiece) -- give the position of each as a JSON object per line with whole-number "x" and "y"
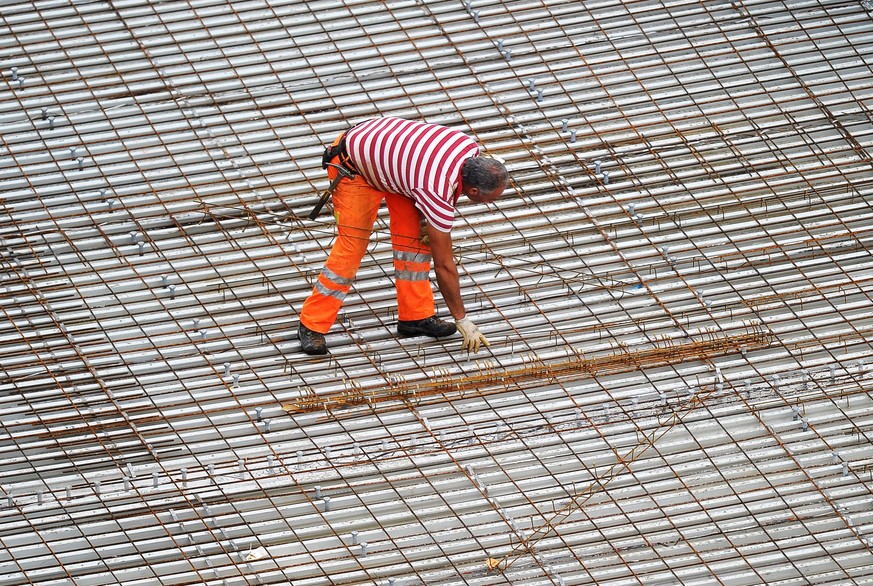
{"x": 677, "y": 287}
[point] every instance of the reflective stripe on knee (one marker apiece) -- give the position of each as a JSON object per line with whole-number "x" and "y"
{"x": 339, "y": 295}
{"x": 332, "y": 276}
{"x": 407, "y": 256}
{"x": 412, "y": 275}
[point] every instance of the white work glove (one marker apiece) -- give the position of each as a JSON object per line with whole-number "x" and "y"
{"x": 473, "y": 338}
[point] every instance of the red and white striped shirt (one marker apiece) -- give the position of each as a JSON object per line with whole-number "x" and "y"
{"x": 420, "y": 161}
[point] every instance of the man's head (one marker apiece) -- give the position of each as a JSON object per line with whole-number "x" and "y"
{"x": 483, "y": 179}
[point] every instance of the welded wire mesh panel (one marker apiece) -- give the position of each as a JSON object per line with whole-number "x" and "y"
{"x": 677, "y": 289}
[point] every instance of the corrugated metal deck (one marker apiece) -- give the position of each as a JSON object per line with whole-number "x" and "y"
{"x": 678, "y": 288}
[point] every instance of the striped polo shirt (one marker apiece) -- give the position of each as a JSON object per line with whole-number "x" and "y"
{"x": 420, "y": 161}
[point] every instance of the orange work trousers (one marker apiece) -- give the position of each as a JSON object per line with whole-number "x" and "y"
{"x": 356, "y": 204}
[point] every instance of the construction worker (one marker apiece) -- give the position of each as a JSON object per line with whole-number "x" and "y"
{"x": 420, "y": 170}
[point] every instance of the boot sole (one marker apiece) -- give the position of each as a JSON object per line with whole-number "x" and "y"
{"x": 318, "y": 352}
{"x": 410, "y": 334}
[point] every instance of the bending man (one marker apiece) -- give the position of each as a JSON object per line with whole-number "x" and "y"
{"x": 420, "y": 170}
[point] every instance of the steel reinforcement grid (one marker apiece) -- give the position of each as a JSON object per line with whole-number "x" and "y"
{"x": 677, "y": 286}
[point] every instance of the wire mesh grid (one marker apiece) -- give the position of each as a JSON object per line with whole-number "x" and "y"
{"x": 677, "y": 288}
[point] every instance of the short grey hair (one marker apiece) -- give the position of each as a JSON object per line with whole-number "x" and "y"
{"x": 484, "y": 173}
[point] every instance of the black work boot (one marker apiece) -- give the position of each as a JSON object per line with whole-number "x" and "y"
{"x": 311, "y": 342}
{"x": 430, "y": 326}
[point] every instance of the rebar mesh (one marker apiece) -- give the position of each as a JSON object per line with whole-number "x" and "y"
{"x": 677, "y": 288}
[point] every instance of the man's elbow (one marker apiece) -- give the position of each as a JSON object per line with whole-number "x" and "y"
{"x": 446, "y": 268}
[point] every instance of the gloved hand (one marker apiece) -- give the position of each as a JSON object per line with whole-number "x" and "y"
{"x": 473, "y": 338}
{"x": 423, "y": 236}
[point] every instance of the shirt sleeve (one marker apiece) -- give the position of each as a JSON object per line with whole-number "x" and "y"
{"x": 439, "y": 213}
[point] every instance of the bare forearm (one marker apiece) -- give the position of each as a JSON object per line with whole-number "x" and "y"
{"x": 446, "y": 271}
{"x": 447, "y": 279}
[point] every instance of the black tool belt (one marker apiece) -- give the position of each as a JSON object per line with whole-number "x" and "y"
{"x": 338, "y": 149}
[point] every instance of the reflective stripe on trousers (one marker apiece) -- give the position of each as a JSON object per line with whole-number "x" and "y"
{"x": 411, "y": 266}
{"x": 331, "y": 284}
{"x": 356, "y": 205}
